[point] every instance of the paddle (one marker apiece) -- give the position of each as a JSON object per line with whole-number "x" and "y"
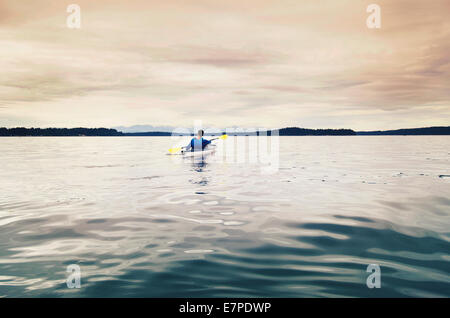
{"x": 175, "y": 150}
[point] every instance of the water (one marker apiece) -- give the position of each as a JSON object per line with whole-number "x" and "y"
{"x": 144, "y": 224}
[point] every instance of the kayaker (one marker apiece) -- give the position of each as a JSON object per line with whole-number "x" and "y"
{"x": 198, "y": 143}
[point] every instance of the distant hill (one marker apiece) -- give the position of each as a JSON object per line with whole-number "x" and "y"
{"x": 295, "y": 131}
{"x": 149, "y": 133}
{"x": 143, "y": 128}
{"x": 409, "y": 131}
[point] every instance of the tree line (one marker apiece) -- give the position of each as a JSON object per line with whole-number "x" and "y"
{"x": 22, "y": 131}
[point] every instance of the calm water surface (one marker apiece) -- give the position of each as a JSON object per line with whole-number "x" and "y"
{"x": 141, "y": 223}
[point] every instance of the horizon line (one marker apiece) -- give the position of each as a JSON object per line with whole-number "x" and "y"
{"x": 219, "y": 129}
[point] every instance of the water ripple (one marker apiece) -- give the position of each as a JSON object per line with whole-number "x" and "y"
{"x": 148, "y": 225}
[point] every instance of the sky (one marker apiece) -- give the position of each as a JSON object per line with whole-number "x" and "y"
{"x": 246, "y": 63}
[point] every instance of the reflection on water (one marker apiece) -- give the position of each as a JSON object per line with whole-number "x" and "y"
{"x": 140, "y": 223}
{"x": 199, "y": 165}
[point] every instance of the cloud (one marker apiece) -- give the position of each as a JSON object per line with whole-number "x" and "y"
{"x": 252, "y": 63}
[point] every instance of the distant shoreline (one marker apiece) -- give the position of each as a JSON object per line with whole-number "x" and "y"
{"x": 290, "y": 131}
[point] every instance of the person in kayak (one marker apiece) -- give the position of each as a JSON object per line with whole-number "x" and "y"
{"x": 198, "y": 143}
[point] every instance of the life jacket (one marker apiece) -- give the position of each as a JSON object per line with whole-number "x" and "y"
{"x": 198, "y": 144}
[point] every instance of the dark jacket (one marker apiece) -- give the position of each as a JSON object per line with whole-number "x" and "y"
{"x": 197, "y": 144}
